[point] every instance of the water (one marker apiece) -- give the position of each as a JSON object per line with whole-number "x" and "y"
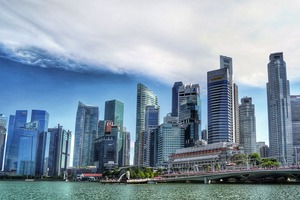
{"x": 86, "y": 190}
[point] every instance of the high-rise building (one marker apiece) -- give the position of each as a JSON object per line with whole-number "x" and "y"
{"x": 170, "y": 138}
{"x": 295, "y": 108}
{"x": 101, "y": 127}
{"x": 28, "y": 143}
{"x": 114, "y": 111}
{"x": 223, "y": 114}
{"x": 145, "y": 97}
{"x": 151, "y": 123}
{"x": 279, "y": 110}
{"x": 86, "y": 131}
{"x": 247, "y": 126}
{"x": 189, "y": 113}
{"x": 126, "y": 147}
{"x": 3, "y": 128}
{"x": 175, "y": 105}
{"x": 15, "y": 128}
{"x": 59, "y": 150}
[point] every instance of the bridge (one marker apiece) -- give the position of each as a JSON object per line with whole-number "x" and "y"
{"x": 246, "y": 176}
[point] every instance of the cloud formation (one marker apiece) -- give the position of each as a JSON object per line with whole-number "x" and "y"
{"x": 167, "y": 40}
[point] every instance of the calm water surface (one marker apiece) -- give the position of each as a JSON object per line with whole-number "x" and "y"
{"x": 86, "y": 190}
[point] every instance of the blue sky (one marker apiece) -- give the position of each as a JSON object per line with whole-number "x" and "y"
{"x": 94, "y": 51}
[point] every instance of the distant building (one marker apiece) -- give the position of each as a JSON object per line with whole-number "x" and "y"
{"x": 279, "y": 110}
{"x": 126, "y": 147}
{"x": 151, "y": 123}
{"x": 3, "y": 129}
{"x": 145, "y": 97}
{"x": 295, "y": 108}
{"x": 86, "y": 131}
{"x": 175, "y": 105}
{"x": 204, "y": 156}
{"x": 247, "y": 126}
{"x": 170, "y": 138}
{"x": 264, "y": 151}
{"x": 189, "y": 113}
{"x": 59, "y": 151}
{"x": 204, "y": 135}
{"x": 259, "y": 145}
{"x": 27, "y": 149}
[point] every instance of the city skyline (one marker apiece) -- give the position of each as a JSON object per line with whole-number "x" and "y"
{"x": 48, "y": 62}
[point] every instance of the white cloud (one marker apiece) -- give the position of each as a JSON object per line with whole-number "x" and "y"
{"x": 168, "y": 40}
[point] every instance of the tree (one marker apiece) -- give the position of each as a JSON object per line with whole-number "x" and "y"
{"x": 255, "y": 159}
{"x": 239, "y": 159}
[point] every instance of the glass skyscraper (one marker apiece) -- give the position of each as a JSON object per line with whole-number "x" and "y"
{"x": 145, "y": 97}
{"x": 59, "y": 150}
{"x": 279, "y": 110}
{"x": 3, "y": 129}
{"x": 295, "y": 108}
{"x": 189, "y": 113}
{"x": 222, "y": 101}
{"x": 175, "y": 105}
{"x": 86, "y": 131}
{"x": 114, "y": 111}
{"x": 247, "y": 126}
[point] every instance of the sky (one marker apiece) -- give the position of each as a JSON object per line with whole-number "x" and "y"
{"x": 56, "y": 53}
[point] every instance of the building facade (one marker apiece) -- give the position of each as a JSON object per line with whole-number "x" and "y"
{"x": 145, "y": 97}
{"x": 3, "y": 129}
{"x": 247, "y": 126}
{"x": 279, "y": 110}
{"x": 86, "y": 131}
{"x": 175, "y": 105}
{"x": 170, "y": 138}
{"x": 59, "y": 151}
{"x": 190, "y": 113}
{"x": 295, "y": 109}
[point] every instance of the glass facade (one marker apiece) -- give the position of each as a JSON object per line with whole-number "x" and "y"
{"x": 279, "y": 110}
{"x": 114, "y": 111}
{"x": 189, "y": 113}
{"x": 247, "y": 126}
{"x": 175, "y": 105}
{"x": 3, "y": 130}
{"x": 219, "y": 105}
{"x": 295, "y": 109}
{"x": 86, "y": 131}
{"x": 145, "y": 97}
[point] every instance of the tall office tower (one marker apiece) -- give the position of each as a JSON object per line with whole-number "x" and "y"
{"x": 264, "y": 151}
{"x": 295, "y": 108}
{"x": 15, "y": 128}
{"x": 151, "y": 123}
{"x": 3, "y": 128}
{"x": 114, "y": 111}
{"x": 189, "y": 113}
{"x": 42, "y": 117}
{"x": 170, "y": 138}
{"x": 247, "y": 126}
{"x": 59, "y": 150}
{"x": 145, "y": 97}
{"x": 28, "y": 143}
{"x": 222, "y": 95}
{"x": 101, "y": 127}
{"x": 106, "y": 147}
{"x": 279, "y": 110}
{"x": 86, "y": 131}
{"x": 175, "y": 105}
{"x": 126, "y": 147}
{"x": 236, "y": 120}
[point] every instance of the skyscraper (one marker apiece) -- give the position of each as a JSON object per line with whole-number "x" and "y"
{"x": 114, "y": 111}
{"x": 189, "y": 113}
{"x": 175, "y": 105}
{"x": 279, "y": 110}
{"x": 247, "y": 126}
{"x": 295, "y": 108}
{"x": 223, "y": 114}
{"x": 145, "y": 97}
{"x": 3, "y": 128}
{"x": 151, "y": 123}
{"x": 86, "y": 131}
{"x": 59, "y": 150}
